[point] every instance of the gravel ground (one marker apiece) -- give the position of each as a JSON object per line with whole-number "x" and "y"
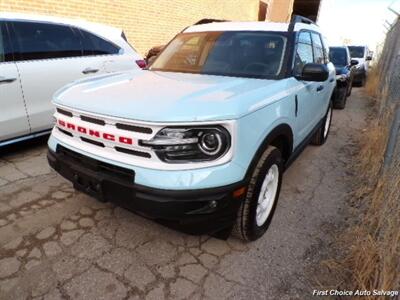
{"x": 56, "y": 243}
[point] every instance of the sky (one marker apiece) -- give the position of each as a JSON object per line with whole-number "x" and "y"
{"x": 356, "y": 21}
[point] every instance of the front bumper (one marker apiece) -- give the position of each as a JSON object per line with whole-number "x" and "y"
{"x": 197, "y": 211}
{"x": 359, "y": 75}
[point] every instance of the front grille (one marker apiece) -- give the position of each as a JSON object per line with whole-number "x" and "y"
{"x": 134, "y": 128}
{"x": 133, "y": 152}
{"x": 93, "y": 120}
{"x": 106, "y": 135}
{"x": 100, "y": 144}
{"x": 64, "y": 112}
{"x": 65, "y": 132}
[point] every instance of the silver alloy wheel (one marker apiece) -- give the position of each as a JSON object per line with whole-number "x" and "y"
{"x": 267, "y": 195}
{"x": 328, "y": 122}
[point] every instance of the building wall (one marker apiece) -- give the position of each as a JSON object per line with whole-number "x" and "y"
{"x": 280, "y": 11}
{"x": 152, "y": 22}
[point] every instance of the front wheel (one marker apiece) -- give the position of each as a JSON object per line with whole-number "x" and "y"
{"x": 322, "y": 133}
{"x": 256, "y": 211}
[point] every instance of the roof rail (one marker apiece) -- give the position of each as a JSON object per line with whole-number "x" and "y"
{"x": 206, "y": 21}
{"x": 299, "y": 19}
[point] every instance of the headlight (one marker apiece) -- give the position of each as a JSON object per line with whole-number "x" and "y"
{"x": 190, "y": 144}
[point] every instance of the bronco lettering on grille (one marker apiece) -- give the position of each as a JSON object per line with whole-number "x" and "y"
{"x": 94, "y": 133}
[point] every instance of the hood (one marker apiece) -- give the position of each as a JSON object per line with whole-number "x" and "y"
{"x": 169, "y": 97}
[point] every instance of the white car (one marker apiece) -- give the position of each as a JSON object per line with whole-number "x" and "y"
{"x": 39, "y": 55}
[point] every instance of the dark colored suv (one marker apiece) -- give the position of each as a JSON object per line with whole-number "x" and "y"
{"x": 345, "y": 69}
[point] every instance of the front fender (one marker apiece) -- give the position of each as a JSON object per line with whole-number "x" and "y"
{"x": 256, "y": 129}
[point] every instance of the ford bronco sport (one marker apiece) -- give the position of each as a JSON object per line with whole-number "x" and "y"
{"x": 200, "y": 140}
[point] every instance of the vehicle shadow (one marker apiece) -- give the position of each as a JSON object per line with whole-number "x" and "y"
{"x": 21, "y": 147}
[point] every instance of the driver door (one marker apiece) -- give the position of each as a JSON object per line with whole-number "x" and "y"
{"x": 308, "y": 106}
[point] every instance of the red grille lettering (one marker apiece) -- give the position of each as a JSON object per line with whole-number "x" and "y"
{"x": 94, "y": 133}
{"x": 108, "y": 136}
{"x": 125, "y": 140}
{"x": 82, "y": 129}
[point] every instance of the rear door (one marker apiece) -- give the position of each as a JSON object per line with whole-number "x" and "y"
{"x": 13, "y": 116}
{"x": 49, "y": 57}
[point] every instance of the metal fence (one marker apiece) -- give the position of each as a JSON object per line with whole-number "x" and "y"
{"x": 389, "y": 88}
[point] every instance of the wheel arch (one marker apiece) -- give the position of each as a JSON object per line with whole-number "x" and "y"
{"x": 281, "y": 137}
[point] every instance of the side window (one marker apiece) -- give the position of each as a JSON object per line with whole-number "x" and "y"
{"x": 2, "y": 40}
{"x": 6, "y": 53}
{"x": 43, "y": 41}
{"x": 326, "y": 49}
{"x": 319, "y": 57}
{"x": 304, "y": 52}
{"x": 94, "y": 45}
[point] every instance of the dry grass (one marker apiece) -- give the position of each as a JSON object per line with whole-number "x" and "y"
{"x": 373, "y": 242}
{"x": 373, "y": 82}
{"x": 373, "y": 259}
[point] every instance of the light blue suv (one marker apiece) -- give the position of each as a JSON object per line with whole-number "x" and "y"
{"x": 200, "y": 140}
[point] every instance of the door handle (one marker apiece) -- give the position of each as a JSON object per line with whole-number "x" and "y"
{"x": 7, "y": 79}
{"x": 320, "y": 88}
{"x": 90, "y": 70}
{"x": 331, "y": 80}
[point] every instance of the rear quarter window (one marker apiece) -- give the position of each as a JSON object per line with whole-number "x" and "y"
{"x": 95, "y": 45}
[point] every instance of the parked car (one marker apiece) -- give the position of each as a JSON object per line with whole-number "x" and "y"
{"x": 363, "y": 56}
{"x": 234, "y": 104}
{"x": 39, "y": 55}
{"x": 345, "y": 69}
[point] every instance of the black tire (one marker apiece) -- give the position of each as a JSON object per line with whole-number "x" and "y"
{"x": 320, "y": 136}
{"x": 350, "y": 89}
{"x": 246, "y": 226}
{"x": 340, "y": 102}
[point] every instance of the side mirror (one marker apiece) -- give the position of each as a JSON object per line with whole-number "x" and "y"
{"x": 314, "y": 72}
{"x": 369, "y": 57}
{"x": 354, "y": 62}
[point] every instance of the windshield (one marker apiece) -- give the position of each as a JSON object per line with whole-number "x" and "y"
{"x": 230, "y": 53}
{"x": 338, "y": 56}
{"x": 357, "y": 52}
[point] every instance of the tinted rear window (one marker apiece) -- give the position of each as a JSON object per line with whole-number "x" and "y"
{"x": 94, "y": 45}
{"x": 338, "y": 56}
{"x": 42, "y": 41}
{"x": 357, "y": 52}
